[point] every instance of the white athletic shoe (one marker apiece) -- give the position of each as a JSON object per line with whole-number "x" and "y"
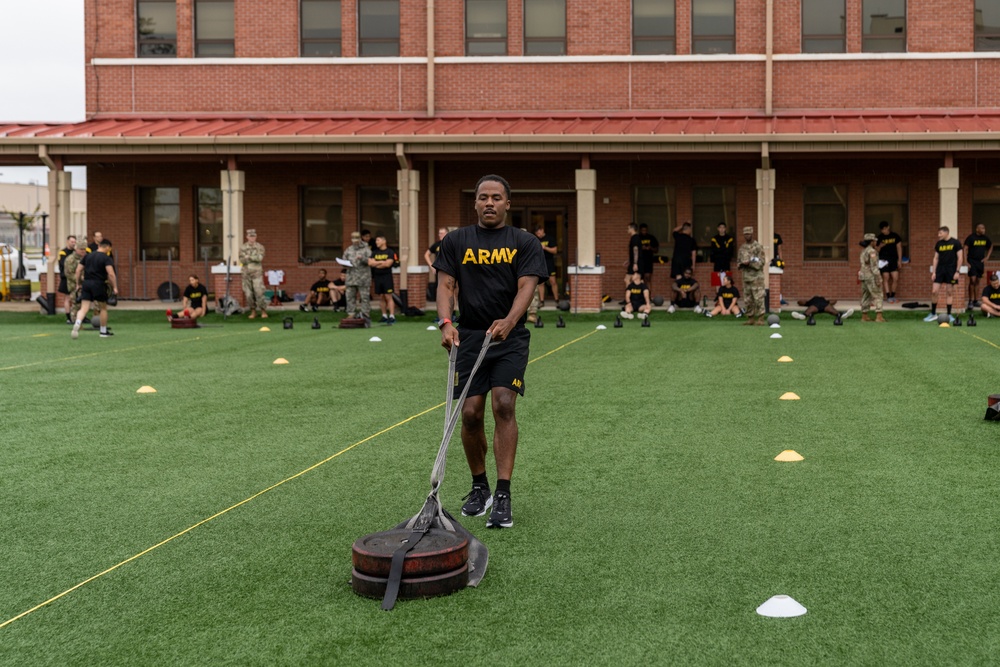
{"x": 930, "y": 317}
{"x": 844, "y": 316}
{"x": 642, "y": 316}
{"x": 628, "y": 316}
{"x": 708, "y": 314}
{"x": 76, "y": 331}
{"x": 698, "y": 310}
{"x": 799, "y": 316}
{"x": 671, "y": 309}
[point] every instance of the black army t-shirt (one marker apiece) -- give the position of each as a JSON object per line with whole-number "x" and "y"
{"x": 978, "y": 246}
{"x": 195, "y": 294}
{"x": 888, "y": 247}
{"x": 947, "y": 251}
{"x": 635, "y": 294}
{"x": 992, "y": 295}
{"x": 95, "y": 266}
{"x": 321, "y": 286}
{"x": 727, "y": 294}
{"x": 487, "y": 264}
{"x": 550, "y": 259}
{"x": 381, "y": 256}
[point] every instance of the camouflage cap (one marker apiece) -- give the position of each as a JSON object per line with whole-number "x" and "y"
{"x": 251, "y": 232}
{"x": 748, "y": 230}
{"x": 355, "y": 236}
{"x": 870, "y": 237}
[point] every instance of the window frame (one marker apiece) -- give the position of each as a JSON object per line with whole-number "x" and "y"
{"x": 661, "y": 218}
{"x": 369, "y": 42}
{"x": 868, "y": 39}
{"x": 337, "y": 42}
{"x": 670, "y": 39}
{"x": 140, "y": 42}
{"x": 992, "y": 36}
{"x": 144, "y": 245}
{"x": 838, "y": 251}
{"x": 977, "y": 203}
{"x": 376, "y": 226}
{"x": 702, "y": 230}
{"x": 471, "y": 41}
{"x": 200, "y": 41}
{"x": 333, "y": 247}
{"x": 528, "y": 41}
{"x": 840, "y": 38}
{"x": 198, "y": 206}
{"x": 697, "y": 39}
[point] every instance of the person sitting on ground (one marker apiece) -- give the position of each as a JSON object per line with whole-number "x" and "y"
{"x": 195, "y": 299}
{"x": 685, "y": 290}
{"x": 319, "y": 293}
{"x": 990, "y": 304}
{"x": 727, "y": 299}
{"x": 820, "y": 304}
{"x": 636, "y": 299}
{"x": 338, "y": 292}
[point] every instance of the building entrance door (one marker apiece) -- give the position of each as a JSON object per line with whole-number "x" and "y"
{"x": 555, "y": 221}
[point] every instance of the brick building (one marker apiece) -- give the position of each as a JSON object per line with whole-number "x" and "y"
{"x": 307, "y": 119}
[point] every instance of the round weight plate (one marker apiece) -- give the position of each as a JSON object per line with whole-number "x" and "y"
{"x": 438, "y": 551}
{"x": 444, "y": 583}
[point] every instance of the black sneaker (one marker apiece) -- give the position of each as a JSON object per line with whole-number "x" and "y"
{"x": 500, "y": 516}
{"x": 302, "y": 308}
{"x": 478, "y": 501}
{"x": 107, "y": 334}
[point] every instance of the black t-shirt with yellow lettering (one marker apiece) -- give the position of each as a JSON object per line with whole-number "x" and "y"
{"x": 635, "y": 294}
{"x": 381, "y": 256}
{"x": 978, "y": 246}
{"x": 727, "y": 294}
{"x": 947, "y": 252}
{"x": 322, "y": 286}
{"x": 195, "y": 294}
{"x": 487, "y": 264}
{"x": 992, "y": 295}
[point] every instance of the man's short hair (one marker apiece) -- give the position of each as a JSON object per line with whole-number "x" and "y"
{"x": 644, "y": 226}
{"x": 944, "y": 229}
{"x": 633, "y": 227}
{"x": 380, "y": 236}
{"x": 70, "y": 237}
{"x": 193, "y": 276}
{"x": 104, "y": 243}
{"x": 323, "y": 271}
{"x": 883, "y": 225}
{"x": 686, "y": 224}
{"x": 498, "y": 179}
{"x": 366, "y": 232}
{"x": 995, "y": 276}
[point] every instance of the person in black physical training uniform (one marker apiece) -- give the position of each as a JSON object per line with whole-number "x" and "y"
{"x": 948, "y": 255}
{"x": 820, "y": 304}
{"x": 495, "y": 268}
{"x": 550, "y": 249}
{"x": 978, "y": 248}
{"x": 319, "y": 293}
{"x": 727, "y": 299}
{"x": 990, "y": 305}
{"x": 97, "y": 271}
{"x": 684, "y": 250}
{"x": 890, "y": 251}
{"x": 195, "y": 298}
{"x": 649, "y": 245}
{"x": 637, "y": 299}
{"x": 382, "y": 261}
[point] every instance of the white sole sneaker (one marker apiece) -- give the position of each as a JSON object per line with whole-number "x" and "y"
{"x": 797, "y": 315}
{"x": 850, "y": 311}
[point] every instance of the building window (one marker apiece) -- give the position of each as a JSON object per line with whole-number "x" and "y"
{"x": 653, "y": 27}
{"x": 985, "y": 210}
{"x": 322, "y": 222}
{"x": 209, "y": 216}
{"x": 544, "y": 27}
{"x": 485, "y": 27}
{"x": 713, "y": 26}
{"x": 378, "y": 27}
{"x": 657, "y": 208}
{"x": 214, "y": 29}
{"x": 888, "y": 203}
{"x": 320, "y": 28}
{"x": 379, "y": 212}
{"x": 156, "y": 27}
{"x": 824, "y": 26}
{"x": 710, "y": 206}
{"x": 824, "y": 220}
{"x": 159, "y": 223}
{"x": 987, "y": 25}
{"x": 884, "y": 26}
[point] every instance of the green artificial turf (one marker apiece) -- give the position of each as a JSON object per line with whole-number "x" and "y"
{"x": 650, "y": 516}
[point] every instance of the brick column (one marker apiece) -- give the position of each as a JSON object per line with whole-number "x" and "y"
{"x": 219, "y": 282}
{"x": 774, "y": 296}
{"x": 585, "y": 288}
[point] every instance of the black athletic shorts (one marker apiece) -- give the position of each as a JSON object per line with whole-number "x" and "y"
{"x": 818, "y": 303}
{"x": 976, "y": 268}
{"x": 945, "y": 276}
{"x": 63, "y": 289}
{"x": 503, "y": 366}
{"x": 645, "y": 266}
{"x": 383, "y": 284}
{"x": 94, "y": 290}
{"x": 892, "y": 266}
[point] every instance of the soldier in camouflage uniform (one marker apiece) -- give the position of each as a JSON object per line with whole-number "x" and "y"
{"x": 751, "y": 262}
{"x": 359, "y": 277}
{"x": 251, "y": 257}
{"x": 72, "y": 287}
{"x": 871, "y": 280}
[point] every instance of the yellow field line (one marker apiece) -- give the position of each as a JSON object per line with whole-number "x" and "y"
{"x": 245, "y": 500}
{"x": 981, "y": 339}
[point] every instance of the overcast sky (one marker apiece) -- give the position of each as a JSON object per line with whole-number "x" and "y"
{"x": 41, "y": 69}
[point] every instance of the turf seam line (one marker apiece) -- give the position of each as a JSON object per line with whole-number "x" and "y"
{"x": 250, "y": 498}
{"x": 982, "y": 339}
